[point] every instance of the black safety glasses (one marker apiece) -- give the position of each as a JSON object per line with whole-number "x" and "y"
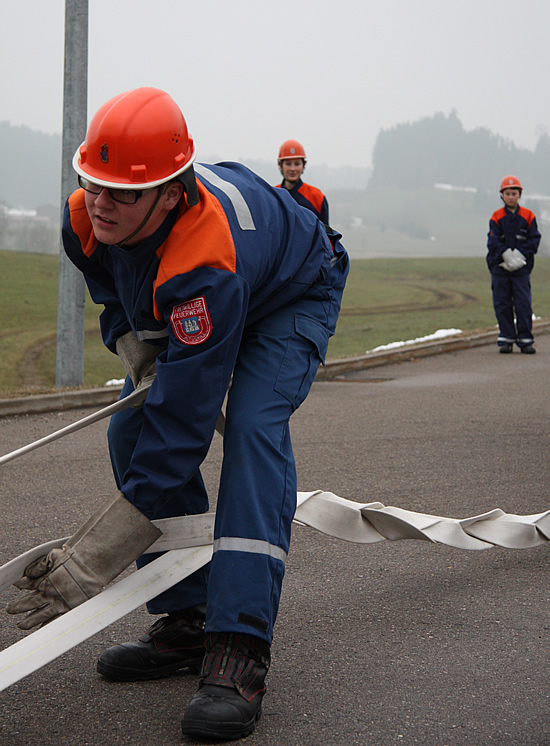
{"x": 126, "y": 196}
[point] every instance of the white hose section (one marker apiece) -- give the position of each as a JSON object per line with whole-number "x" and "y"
{"x": 361, "y": 523}
{"x": 189, "y": 544}
{"x": 369, "y": 523}
{"x": 372, "y": 522}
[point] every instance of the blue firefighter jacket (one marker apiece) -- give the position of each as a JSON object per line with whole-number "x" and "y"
{"x": 512, "y": 230}
{"x": 310, "y": 197}
{"x": 194, "y": 286}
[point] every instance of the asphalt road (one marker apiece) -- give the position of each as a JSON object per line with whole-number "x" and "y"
{"x": 394, "y": 643}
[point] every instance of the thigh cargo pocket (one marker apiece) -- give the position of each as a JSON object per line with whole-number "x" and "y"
{"x": 306, "y": 350}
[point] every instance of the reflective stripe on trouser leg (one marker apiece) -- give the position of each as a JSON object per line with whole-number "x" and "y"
{"x": 277, "y": 363}
{"x": 521, "y": 287}
{"x": 123, "y": 433}
{"x": 504, "y": 308}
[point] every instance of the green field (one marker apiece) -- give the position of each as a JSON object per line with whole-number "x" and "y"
{"x": 390, "y": 300}
{"x": 386, "y": 300}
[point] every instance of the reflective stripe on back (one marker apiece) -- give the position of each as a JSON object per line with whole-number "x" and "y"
{"x": 244, "y": 216}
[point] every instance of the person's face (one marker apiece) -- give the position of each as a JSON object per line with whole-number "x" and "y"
{"x": 511, "y": 198}
{"x": 292, "y": 170}
{"x": 114, "y": 221}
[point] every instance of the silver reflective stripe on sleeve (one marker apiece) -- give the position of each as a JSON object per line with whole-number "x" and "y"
{"x": 244, "y": 216}
{"x": 236, "y": 544}
{"x": 146, "y": 334}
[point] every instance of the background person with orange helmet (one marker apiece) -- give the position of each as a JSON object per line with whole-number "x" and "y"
{"x": 292, "y": 162}
{"x": 512, "y": 243}
{"x": 207, "y": 274}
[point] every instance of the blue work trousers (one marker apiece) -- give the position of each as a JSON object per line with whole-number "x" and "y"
{"x": 513, "y": 309}
{"x": 276, "y": 365}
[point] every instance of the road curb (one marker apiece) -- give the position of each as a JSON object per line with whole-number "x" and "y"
{"x": 334, "y": 369}
{"x": 59, "y": 401}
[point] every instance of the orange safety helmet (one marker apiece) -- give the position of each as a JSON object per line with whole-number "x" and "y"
{"x": 138, "y": 140}
{"x": 510, "y": 182}
{"x": 291, "y": 149}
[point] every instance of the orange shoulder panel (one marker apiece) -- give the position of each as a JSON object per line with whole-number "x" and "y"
{"x": 314, "y": 195}
{"x": 498, "y": 214}
{"x": 527, "y": 214}
{"x": 201, "y": 237}
{"x": 81, "y": 223}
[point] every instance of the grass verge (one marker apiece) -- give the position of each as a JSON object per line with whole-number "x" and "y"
{"x": 386, "y": 300}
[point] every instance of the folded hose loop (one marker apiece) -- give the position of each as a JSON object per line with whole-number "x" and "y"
{"x": 373, "y": 522}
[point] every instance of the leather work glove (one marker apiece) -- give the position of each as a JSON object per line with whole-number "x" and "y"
{"x": 138, "y": 358}
{"x": 115, "y": 536}
{"x": 511, "y": 262}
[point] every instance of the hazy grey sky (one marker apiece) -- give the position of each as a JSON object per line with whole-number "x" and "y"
{"x": 330, "y": 73}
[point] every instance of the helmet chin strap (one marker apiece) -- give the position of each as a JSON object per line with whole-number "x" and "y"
{"x": 124, "y": 243}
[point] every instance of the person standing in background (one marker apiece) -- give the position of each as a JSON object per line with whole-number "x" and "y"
{"x": 292, "y": 162}
{"x": 512, "y": 243}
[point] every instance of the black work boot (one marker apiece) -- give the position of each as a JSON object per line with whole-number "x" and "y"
{"x": 505, "y": 348}
{"x": 173, "y": 642}
{"x": 229, "y": 699}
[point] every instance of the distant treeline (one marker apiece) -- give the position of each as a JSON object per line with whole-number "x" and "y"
{"x": 412, "y": 155}
{"x": 438, "y": 149}
{"x": 30, "y": 175}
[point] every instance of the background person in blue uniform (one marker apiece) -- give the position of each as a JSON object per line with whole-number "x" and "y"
{"x": 512, "y": 243}
{"x": 206, "y": 274}
{"x": 292, "y": 162}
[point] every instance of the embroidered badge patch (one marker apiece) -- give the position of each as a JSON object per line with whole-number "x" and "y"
{"x": 191, "y": 321}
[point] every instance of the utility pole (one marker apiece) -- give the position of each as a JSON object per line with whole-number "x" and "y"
{"x": 71, "y": 293}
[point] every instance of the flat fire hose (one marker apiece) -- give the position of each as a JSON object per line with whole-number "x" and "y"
{"x": 187, "y": 543}
{"x": 133, "y": 399}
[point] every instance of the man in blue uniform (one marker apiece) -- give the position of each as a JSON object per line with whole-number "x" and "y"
{"x": 512, "y": 243}
{"x": 292, "y": 162}
{"x": 207, "y": 275}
